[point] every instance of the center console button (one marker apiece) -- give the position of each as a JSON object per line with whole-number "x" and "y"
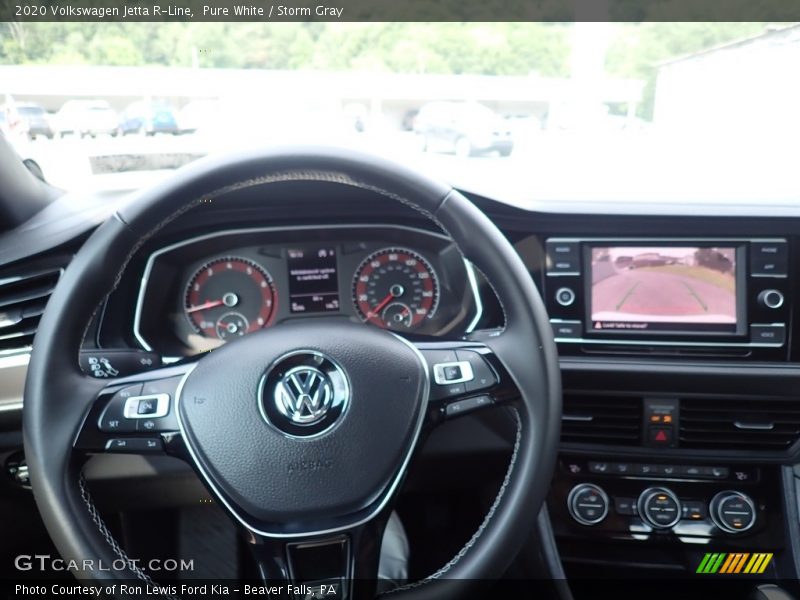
{"x": 587, "y": 504}
{"x": 693, "y": 510}
{"x": 659, "y": 507}
{"x": 648, "y": 470}
{"x": 622, "y": 468}
{"x": 598, "y": 467}
{"x": 768, "y": 258}
{"x": 692, "y": 471}
{"x": 563, "y": 256}
{"x": 768, "y": 333}
{"x": 566, "y": 329}
{"x": 625, "y": 506}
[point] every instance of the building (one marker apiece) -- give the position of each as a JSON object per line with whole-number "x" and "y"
{"x": 748, "y": 87}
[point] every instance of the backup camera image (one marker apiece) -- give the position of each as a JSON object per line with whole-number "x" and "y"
{"x": 663, "y": 288}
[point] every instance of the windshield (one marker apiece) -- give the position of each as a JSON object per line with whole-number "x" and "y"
{"x": 578, "y": 110}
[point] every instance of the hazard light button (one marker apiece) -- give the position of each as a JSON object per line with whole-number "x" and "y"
{"x": 660, "y": 436}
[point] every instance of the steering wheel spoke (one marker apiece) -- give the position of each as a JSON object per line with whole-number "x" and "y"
{"x": 341, "y": 565}
{"x": 134, "y": 415}
{"x": 464, "y": 377}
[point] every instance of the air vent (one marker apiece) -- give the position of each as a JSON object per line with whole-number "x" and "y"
{"x": 739, "y": 424}
{"x": 22, "y": 301}
{"x": 609, "y": 420}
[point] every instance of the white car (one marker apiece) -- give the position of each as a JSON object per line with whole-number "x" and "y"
{"x": 86, "y": 117}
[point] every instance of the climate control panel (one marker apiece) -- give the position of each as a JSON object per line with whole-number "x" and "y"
{"x": 660, "y": 508}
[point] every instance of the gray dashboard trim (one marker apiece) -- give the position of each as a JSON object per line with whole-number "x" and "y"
{"x": 137, "y": 318}
{"x": 10, "y": 396}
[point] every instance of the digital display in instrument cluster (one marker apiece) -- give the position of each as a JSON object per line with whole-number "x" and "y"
{"x": 313, "y": 281}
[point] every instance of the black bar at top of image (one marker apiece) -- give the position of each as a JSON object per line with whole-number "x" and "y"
{"x": 398, "y": 10}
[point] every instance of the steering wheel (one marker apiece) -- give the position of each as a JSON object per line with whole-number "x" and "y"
{"x": 302, "y": 431}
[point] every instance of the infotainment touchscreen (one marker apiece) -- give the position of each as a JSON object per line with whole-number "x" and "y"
{"x": 663, "y": 289}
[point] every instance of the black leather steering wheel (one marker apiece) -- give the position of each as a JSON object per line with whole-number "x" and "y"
{"x": 314, "y": 465}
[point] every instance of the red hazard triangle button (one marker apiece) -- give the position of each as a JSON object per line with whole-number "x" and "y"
{"x": 661, "y": 436}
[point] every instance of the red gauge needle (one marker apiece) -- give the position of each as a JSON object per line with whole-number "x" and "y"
{"x": 382, "y": 304}
{"x": 205, "y": 305}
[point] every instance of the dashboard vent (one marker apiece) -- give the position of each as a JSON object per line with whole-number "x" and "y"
{"x": 22, "y": 301}
{"x": 610, "y": 420}
{"x": 739, "y": 424}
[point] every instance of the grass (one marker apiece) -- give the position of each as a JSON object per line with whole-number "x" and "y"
{"x": 725, "y": 281}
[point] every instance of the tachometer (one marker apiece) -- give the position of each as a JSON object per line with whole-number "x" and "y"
{"x": 229, "y": 297}
{"x": 395, "y": 288}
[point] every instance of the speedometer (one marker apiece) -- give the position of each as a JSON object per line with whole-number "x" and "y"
{"x": 395, "y": 288}
{"x": 229, "y": 297}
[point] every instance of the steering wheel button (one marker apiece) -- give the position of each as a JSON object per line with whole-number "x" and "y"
{"x": 147, "y": 407}
{"x": 134, "y": 445}
{"x": 143, "y": 407}
{"x": 162, "y": 386}
{"x": 449, "y": 373}
{"x": 113, "y": 417}
{"x": 452, "y": 372}
{"x": 439, "y": 392}
{"x": 483, "y": 377}
{"x": 468, "y": 404}
{"x": 113, "y": 423}
{"x": 128, "y": 392}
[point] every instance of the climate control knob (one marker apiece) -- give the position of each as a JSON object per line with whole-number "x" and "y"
{"x": 733, "y": 511}
{"x": 659, "y": 507}
{"x": 587, "y": 504}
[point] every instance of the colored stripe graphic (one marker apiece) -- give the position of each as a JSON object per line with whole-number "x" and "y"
{"x": 729, "y": 563}
{"x": 701, "y": 568}
{"x": 740, "y": 562}
{"x": 734, "y": 563}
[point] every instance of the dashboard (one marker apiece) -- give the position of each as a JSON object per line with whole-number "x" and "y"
{"x": 204, "y": 291}
{"x": 672, "y": 388}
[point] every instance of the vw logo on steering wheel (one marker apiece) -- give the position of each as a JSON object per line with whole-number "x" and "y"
{"x": 303, "y": 393}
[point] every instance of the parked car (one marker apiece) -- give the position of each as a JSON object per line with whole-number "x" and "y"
{"x": 86, "y": 117}
{"x": 198, "y": 114}
{"x": 28, "y": 119}
{"x": 463, "y": 128}
{"x": 149, "y": 118}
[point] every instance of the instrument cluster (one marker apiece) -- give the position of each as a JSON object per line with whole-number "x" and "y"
{"x": 202, "y": 292}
